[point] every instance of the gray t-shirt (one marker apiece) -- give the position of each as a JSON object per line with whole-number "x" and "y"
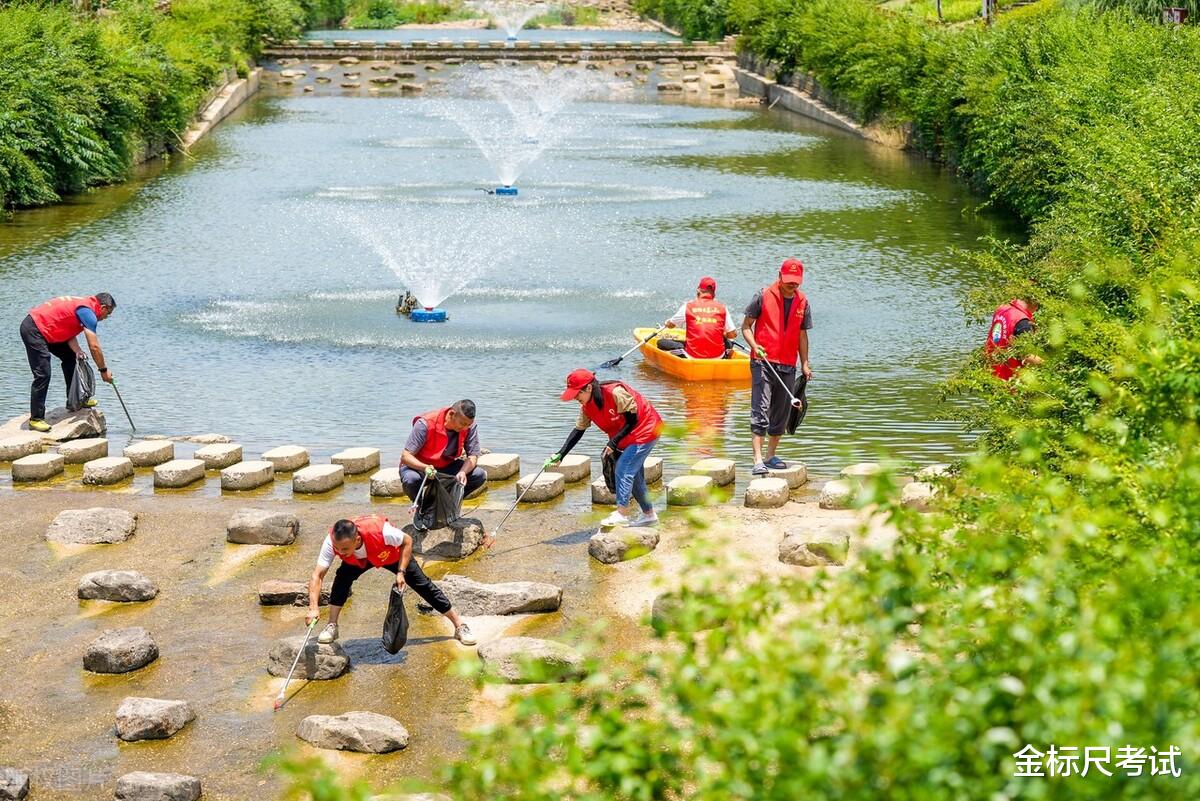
{"x": 755, "y": 310}
{"x": 416, "y": 440}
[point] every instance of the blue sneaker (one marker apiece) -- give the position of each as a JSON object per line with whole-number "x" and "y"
{"x": 775, "y": 463}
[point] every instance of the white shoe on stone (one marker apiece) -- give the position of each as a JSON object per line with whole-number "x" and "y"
{"x": 645, "y": 519}
{"x": 614, "y": 519}
{"x": 328, "y": 634}
{"x": 463, "y": 634}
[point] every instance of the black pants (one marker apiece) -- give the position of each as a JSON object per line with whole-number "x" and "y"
{"x": 422, "y": 585}
{"x": 411, "y": 479}
{"x": 677, "y": 346}
{"x": 39, "y": 351}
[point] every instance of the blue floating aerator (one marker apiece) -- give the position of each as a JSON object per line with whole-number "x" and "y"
{"x": 506, "y": 191}
{"x": 429, "y": 316}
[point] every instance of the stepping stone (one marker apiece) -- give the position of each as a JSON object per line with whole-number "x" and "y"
{"x": 917, "y": 495}
{"x": 37, "y": 467}
{"x": 721, "y": 471}
{"x": 355, "y": 461}
{"x": 179, "y": 473}
{"x": 860, "y": 472}
{"x": 499, "y": 466}
{"x": 318, "y": 478}
{"x": 120, "y": 651}
{"x": 767, "y": 493}
{"x": 247, "y": 475}
{"x": 386, "y": 483}
{"x": 796, "y": 475}
{"x": 149, "y": 453}
{"x": 668, "y": 611}
{"x": 206, "y": 439}
{"x": 108, "y": 470}
{"x": 280, "y": 592}
{"x": 689, "y": 490}
{"x": 14, "y": 784}
{"x": 572, "y": 468}
{"x": 548, "y": 486}
{"x": 123, "y": 586}
{"x": 95, "y": 526}
{"x": 262, "y": 527}
{"x": 219, "y": 455}
{"x": 361, "y": 732}
{"x": 601, "y": 495}
{"x": 836, "y": 495}
{"x": 143, "y": 786}
{"x": 670, "y": 86}
{"x": 456, "y": 541}
{"x": 653, "y": 468}
{"x": 622, "y": 543}
{"x": 526, "y": 660}
{"x": 286, "y": 458}
{"x": 321, "y": 661}
{"x": 472, "y": 598}
{"x": 18, "y": 446}
{"x": 151, "y": 718}
{"x": 83, "y": 450}
{"x": 822, "y": 546}
{"x": 933, "y": 471}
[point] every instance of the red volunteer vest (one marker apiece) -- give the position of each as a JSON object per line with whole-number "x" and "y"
{"x": 379, "y": 553}
{"x": 437, "y": 437}
{"x": 610, "y": 421}
{"x": 780, "y": 337}
{"x": 705, "y": 329}
{"x": 1000, "y": 335}
{"x": 56, "y": 318}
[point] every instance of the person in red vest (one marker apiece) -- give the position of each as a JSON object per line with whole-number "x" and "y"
{"x": 363, "y": 543}
{"x": 443, "y": 441}
{"x": 1010, "y": 320}
{"x": 708, "y": 328}
{"x": 632, "y": 426}
{"x": 50, "y": 330}
{"x": 776, "y": 327}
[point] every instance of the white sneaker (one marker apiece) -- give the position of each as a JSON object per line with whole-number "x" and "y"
{"x": 328, "y": 634}
{"x": 645, "y": 519}
{"x": 614, "y": 519}
{"x": 463, "y": 634}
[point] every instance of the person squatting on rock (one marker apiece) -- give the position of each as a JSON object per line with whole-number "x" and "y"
{"x": 1010, "y": 321}
{"x": 632, "y": 426}
{"x": 776, "y": 328}
{"x": 708, "y": 327}
{"x": 49, "y": 330}
{"x": 364, "y": 543}
{"x": 443, "y": 441}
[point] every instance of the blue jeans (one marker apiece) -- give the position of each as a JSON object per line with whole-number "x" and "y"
{"x": 631, "y": 478}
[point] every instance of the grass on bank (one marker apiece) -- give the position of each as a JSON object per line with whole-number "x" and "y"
{"x": 368, "y": 14}
{"x": 567, "y": 16}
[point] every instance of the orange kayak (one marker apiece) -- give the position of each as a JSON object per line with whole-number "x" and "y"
{"x": 735, "y": 368}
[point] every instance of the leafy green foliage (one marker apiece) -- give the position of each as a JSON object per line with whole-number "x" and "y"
{"x": 695, "y": 19}
{"x": 580, "y": 16}
{"x": 1150, "y": 9}
{"x": 390, "y": 13}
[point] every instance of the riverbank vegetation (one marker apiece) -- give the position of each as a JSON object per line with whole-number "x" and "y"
{"x": 375, "y": 14}
{"x": 81, "y": 96}
{"x": 1049, "y": 603}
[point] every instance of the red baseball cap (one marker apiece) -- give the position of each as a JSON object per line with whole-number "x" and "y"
{"x": 576, "y": 381}
{"x": 708, "y": 285}
{"x": 792, "y": 268}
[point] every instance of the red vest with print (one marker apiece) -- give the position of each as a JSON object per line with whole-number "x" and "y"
{"x": 780, "y": 337}
{"x": 437, "y": 437}
{"x": 1000, "y": 334}
{"x": 705, "y": 329}
{"x": 56, "y": 318}
{"x": 610, "y": 421}
{"x": 379, "y": 553}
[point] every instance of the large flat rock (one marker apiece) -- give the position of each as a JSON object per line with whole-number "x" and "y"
{"x": 320, "y": 662}
{"x": 767, "y": 493}
{"x": 918, "y": 495}
{"x": 17, "y": 446}
{"x": 721, "y": 471}
{"x": 95, "y": 526}
{"x": 151, "y": 718}
{"x": 37, "y": 467}
{"x": 689, "y": 490}
{"x": 318, "y": 478}
{"x": 500, "y": 466}
{"x": 572, "y": 468}
{"x": 622, "y": 543}
{"x": 120, "y": 651}
{"x": 178, "y": 473}
{"x": 823, "y": 545}
{"x": 470, "y": 597}
{"x": 64, "y": 425}
{"x": 219, "y": 455}
{"x": 281, "y": 592}
{"x": 109, "y": 470}
{"x": 527, "y": 660}
{"x": 837, "y": 494}
{"x": 361, "y": 732}
{"x": 356, "y": 461}
{"x": 547, "y": 487}
{"x": 126, "y": 586}
{"x": 253, "y": 526}
{"x": 456, "y": 541}
{"x": 143, "y": 786}
{"x": 83, "y": 450}
{"x": 247, "y": 475}
{"x": 286, "y": 458}
{"x": 386, "y": 483}
{"x": 796, "y": 475}
{"x": 149, "y": 453}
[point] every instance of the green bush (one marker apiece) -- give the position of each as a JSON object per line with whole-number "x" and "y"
{"x": 390, "y": 13}
{"x": 695, "y": 19}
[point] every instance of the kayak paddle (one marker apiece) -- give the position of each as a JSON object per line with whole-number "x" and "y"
{"x": 614, "y": 362}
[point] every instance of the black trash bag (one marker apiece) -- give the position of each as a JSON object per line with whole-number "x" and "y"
{"x": 440, "y": 503}
{"x": 608, "y": 465}
{"x": 83, "y": 386}
{"x": 395, "y": 625}
{"x": 796, "y": 417}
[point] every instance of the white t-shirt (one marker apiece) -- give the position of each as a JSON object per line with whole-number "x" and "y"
{"x": 680, "y": 319}
{"x": 391, "y": 535}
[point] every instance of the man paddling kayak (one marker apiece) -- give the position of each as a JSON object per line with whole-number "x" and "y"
{"x": 708, "y": 327}
{"x": 632, "y": 426}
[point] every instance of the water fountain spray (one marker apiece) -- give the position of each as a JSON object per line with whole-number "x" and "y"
{"x": 511, "y": 16}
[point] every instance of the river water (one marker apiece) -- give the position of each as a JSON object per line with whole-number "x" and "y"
{"x": 256, "y": 280}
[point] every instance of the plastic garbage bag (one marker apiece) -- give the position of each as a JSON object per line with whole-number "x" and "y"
{"x": 796, "y": 417}
{"x": 395, "y": 625}
{"x": 440, "y": 503}
{"x": 608, "y": 466}
{"x": 83, "y": 386}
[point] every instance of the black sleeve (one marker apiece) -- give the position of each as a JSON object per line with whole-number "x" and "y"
{"x": 1022, "y": 327}
{"x": 631, "y": 421}
{"x": 572, "y": 440}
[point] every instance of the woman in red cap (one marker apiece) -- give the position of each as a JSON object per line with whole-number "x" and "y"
{"x": 632, "y": 426}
